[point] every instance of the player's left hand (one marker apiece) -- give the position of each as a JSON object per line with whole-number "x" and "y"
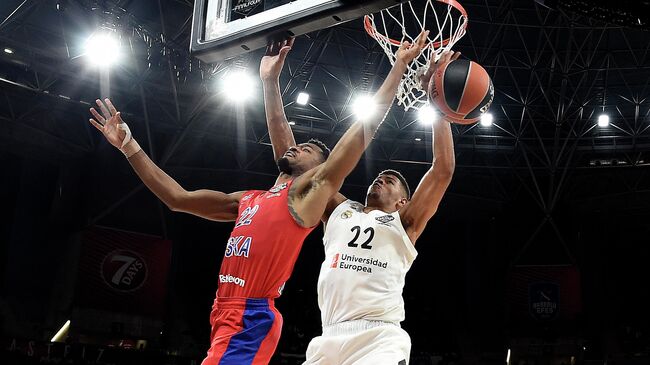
{"x": 445, "y": 57}
{"x": 273, "y": 61}
{"x": 108, "y": 121}
{"x": 407, "y": 52}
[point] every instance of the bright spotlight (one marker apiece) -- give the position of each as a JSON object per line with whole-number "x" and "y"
{"x": 9, "y": 50}
{"x": 364, "y": 106}
{"x": 303, "y": 98}
{"x": 603, "y": 120}
{"x": 427, "y": 114}
{"x": 61, "y": 335}
{"x": 508, "y": 357}
{"x": 103, "y": 49}
{"x": 487, "y": 119}
{"x": 238, "y": 86}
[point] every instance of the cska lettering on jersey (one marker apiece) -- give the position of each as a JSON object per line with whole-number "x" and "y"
{"x": 238, "y": 246}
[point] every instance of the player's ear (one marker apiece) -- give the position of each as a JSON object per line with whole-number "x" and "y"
{"x": 402, "y": 202}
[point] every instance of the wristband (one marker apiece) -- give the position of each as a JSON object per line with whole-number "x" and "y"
{"x": 131, "y": 148}
{"x": 127, "y": 138}
{"x": 129, "y": 145}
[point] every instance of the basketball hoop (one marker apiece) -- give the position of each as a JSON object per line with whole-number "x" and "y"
{"x": 445, "y": 19}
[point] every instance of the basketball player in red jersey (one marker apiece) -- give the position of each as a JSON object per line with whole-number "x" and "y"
{"x": 270, "y": 226}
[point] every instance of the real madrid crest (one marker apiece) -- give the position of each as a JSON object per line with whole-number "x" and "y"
{"x": 347, "y": 214}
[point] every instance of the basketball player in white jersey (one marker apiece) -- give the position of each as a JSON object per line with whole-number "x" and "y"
{"x": 368, "y": 248}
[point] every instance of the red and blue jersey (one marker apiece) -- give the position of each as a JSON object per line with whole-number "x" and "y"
{"x": 263, "y": 246}
{"x": 259, "y": 258}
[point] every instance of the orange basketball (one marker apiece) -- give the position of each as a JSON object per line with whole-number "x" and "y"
{"x": 462, "y": 90}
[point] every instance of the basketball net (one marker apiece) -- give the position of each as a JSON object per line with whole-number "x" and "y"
{"x": 445, "y": 19}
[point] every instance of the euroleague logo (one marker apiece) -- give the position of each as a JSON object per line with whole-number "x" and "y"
{"x": 485, "y": 107}
{"x": 433, "y": 92}
{"x": 124, "y": 270}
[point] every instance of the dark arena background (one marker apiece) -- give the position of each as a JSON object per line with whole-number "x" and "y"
{"x": 539, "y": 253}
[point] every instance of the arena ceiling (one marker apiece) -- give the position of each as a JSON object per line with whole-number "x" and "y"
{"x": 554, "y": 70}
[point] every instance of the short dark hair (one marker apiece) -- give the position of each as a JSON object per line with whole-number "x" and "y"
{"x": 401, "y": 179}
{"x": 325, "y": 150}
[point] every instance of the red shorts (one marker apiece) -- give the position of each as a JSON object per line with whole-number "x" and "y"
{"x": 244, "y": 331}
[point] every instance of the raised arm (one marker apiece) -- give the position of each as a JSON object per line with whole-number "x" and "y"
{"x": 270, "y": 69}
{"x": 213, "y": 205}
{"x": 317, "y": 186}
{"x": 427, "y": 196}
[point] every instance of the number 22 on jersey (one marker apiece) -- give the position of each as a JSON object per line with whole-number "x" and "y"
{"x": 240, "y": 245}
{"x": 247, "y": 216}
{"x": 357, "y": 232}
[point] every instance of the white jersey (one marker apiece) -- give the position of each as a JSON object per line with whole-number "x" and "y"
{"x": 367, "y": 256}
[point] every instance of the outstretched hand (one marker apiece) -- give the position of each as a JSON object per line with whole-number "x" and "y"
{"x": 407, "y": 52}
{"x": 108, "y": 122}
{"x": 446, "y": 56}
{"x": 273, "y": 60}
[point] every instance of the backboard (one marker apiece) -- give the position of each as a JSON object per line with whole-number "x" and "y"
{"x": 223, "y": 29}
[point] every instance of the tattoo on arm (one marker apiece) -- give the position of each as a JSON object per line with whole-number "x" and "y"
{"x": 294, "y": 214}
{"x": 292, "y": 211}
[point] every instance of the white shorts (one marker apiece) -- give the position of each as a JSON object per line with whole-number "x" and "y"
{"x": 360, "y": 342}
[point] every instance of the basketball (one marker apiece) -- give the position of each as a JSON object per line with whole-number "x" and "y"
{"x": 462, "y": 90}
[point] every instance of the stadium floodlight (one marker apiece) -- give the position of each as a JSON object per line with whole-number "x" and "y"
{"x": 302, "y": 98}
{"x": 103, "y": 49}
{"x": 364, "y": 106}
{"x": 238, "y": 86}
{"x": 487, "y": 119}
{"x": 603, "y": 120}
{"x": 427, "y": 115}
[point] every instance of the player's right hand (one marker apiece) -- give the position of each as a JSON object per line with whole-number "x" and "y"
{"x": 407, "y": 52}
{"x": 273, "y": 61}
{"x": 108, "y": 121}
